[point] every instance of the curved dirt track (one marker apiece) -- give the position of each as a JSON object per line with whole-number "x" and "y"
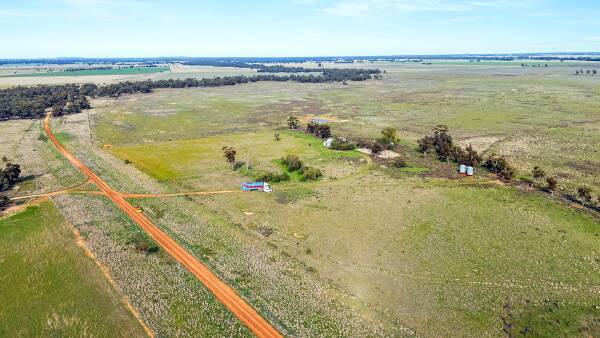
{"x": 192, "y": 193}
{"x": 223, "y": 292}
{"x": 51, "y": 193}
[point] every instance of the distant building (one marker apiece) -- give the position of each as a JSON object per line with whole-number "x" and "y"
{"x": 328, "y": 142}
{"x": 319, "y": 121}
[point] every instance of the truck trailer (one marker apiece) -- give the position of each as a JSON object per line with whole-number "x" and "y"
{"x": 256, "y": 186}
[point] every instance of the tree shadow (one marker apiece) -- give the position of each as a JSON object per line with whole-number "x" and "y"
{"x": 27, "y": 178}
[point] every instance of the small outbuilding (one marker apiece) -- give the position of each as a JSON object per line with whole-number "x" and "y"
{"x": 328, "y": 142}
{"x": 319, "y": 120}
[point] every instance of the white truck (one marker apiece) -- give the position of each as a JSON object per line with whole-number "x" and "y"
{"x": 256, "y": 186}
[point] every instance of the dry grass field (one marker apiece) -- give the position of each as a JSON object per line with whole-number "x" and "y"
{"x": 367, "y": 250}
{"x": 429, "y": 254}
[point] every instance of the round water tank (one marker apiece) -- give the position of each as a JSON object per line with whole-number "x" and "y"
{"x": 462, "y": 169}
{"x": 470, "y": 171}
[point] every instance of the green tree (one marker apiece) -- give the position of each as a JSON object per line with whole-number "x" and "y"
{"x": 293, "y": 122}
{"x": 500, "y": 166}
{"x": 311, "y": 174}
{"x": 426, "y": 144}
{"x": 443, "y": 142}
{"x": 229, "y": 155}
{"x": 4, "y": 202}
{"x": 552, "y": 184}
{"x": 585, "y": 193}
{"x": 389, "y": 135}
{"x": 538, "y": 174}
{"x": 472, "y": 157}
{"x": 321, "y": 130}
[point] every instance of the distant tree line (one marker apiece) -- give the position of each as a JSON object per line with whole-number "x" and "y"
{"x": 332, "y": 74}
{"x": 588, "y": 72}
{"x": 76, "y": 69}
{"x": 32, "y": 102}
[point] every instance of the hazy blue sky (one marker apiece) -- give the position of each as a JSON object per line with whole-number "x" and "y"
{"x": 111, "y": 28}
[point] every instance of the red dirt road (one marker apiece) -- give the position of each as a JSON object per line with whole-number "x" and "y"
{"x": 224, "y": 293}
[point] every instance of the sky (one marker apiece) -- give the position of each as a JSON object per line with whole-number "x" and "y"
{"x": 153, "y": 28}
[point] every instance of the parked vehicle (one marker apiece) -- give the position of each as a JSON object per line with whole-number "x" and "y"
{"x": 258, "y": 186}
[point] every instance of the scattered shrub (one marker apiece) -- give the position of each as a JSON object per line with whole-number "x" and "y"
{"x": 342, "y": 144}
{"x": 311, "y": 174}
{"x": 273, "y": 177}
{"x": 426, "y": 144}
{"x": 143, "y": 244}
{"x": 376, "y": 148}
{"x": 277, "y": 136}
{"x": 265, "y": 231}
{"x": 552, "y": 183}
{"x": 585, "y": 193}
{"x": 9, "y": 175}
{"x": 127, "y": 161}
{"x": 4, "y": 202}
{"x": 472, "y": 157}
{"x": 293, "y": 122}
{"x": 537, "y": 173}
{"x": 500, "y": 166}
{"x": 321, "y": 130}
{"x": 292, "y": 162}
{"x": 229, "y": 155}
{"x": 400, "y": 163}
{"x": 389, "y": 135}
{"x": 466, "y": 156}
{"x": 441, "y": 141}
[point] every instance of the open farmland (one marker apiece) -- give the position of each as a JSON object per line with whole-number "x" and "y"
{"x": 368, "y": 249}
{"x": 94, "y": 72}
{"x": 300, "y": 168}
{"x": 523, "y": 113}
{"x": 48, "y": 285}
{"x": 11, "y": 76}
{"x": 431, "y": 254}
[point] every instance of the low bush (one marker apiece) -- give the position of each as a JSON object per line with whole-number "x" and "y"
{"x": 143, "y": 244}
{"x": 311, "y": 174}
{"x": 321, "y": 130}
{"x": 585, "y": 193}
{"x": 292, "y": 162}
{"x": 342, "y": 144}
{"x": 500, "y": 166}
{"x": 272, "y": 177}
{"x": 4, "y": 202}
{"x": 552, "y": 183}
{"x": 400, "y": 163}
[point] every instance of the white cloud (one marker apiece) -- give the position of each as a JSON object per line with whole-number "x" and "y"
{"x": 365, "y": 8}
{"x": 11, "y": 12}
